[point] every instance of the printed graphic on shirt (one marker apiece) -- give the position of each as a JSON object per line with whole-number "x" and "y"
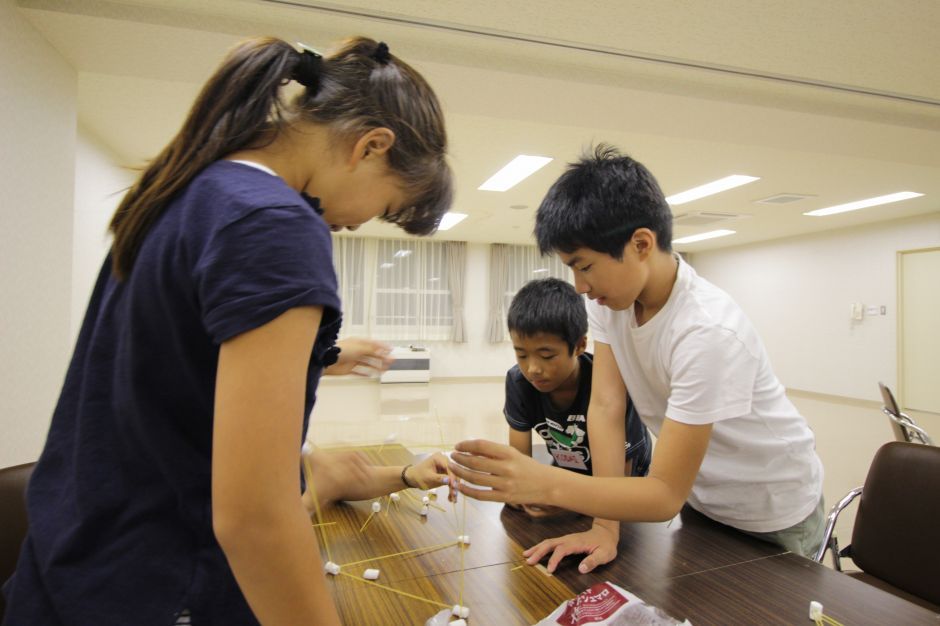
{"x": 565, "y": 441}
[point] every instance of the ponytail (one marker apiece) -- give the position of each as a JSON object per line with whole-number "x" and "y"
{"x": 236, "y": 107}
{"x": 360, "y": 87}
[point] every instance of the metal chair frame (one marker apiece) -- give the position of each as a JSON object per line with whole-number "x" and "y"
{"x": 911, "y": 432}
{"x": 830, "y": 541}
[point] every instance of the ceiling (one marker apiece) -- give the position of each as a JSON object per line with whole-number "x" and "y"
{"x": 836, "y": 101}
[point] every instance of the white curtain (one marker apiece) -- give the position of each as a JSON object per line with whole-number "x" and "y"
{"x": 525, "y": 263}
{"x": 496, "y": 322}
{"x": 510, "y": 268}
{"x": 456, "y": 270}
{"x": 354, "y": 284}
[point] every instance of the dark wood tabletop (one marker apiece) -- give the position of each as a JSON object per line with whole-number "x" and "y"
{"x": 692, "y": 567}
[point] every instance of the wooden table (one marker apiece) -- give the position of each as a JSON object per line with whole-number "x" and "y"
{"x": 691, "y": 567}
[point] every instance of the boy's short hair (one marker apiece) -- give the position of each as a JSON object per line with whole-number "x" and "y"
{"x": 549, "y": 305}
{"x": 599, "y": 202}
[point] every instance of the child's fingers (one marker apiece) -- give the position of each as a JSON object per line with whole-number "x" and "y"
{"x": 487, "y": 495}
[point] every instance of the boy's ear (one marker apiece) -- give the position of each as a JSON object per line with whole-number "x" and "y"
{"x": 643, "y": 242}
{"x": 581, "y": 346}
{"x": 374, "y": 143}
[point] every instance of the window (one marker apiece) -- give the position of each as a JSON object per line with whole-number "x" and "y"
{"x": 525, "y": 263}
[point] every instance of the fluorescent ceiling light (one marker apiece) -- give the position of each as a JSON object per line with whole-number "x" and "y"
{"x": 513, "y": 172}
{"x": 385, "y": 266}
{"x": 709, "y": 189}
{"x": 450, "y": 220}
{"x": 703, "y": 236}
{"x": 862, "y": 204}
{"x": 401, "y": 253}
{"x": 541, "y": 270}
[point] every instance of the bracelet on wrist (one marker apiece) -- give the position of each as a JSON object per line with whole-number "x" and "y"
{"x": 404, "y": 478}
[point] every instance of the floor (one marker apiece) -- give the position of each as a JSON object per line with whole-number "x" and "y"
{"x": 435, "y": 415}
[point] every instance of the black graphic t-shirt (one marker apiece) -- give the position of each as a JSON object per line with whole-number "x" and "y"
{"x": 565, "y": 431}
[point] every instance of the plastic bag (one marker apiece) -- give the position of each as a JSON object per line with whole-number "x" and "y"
{"x": 606, "y": 604}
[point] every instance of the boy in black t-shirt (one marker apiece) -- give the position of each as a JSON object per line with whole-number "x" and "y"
{"x": 549, "y": 388}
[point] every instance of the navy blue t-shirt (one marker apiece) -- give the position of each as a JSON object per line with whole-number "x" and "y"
{"x": 565, "y": 430}
{"x": 119, "y": 503}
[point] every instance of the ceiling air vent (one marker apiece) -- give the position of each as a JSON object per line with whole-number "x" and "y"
{"x": 702, "y": 218}
{"x": 784, "y": 198}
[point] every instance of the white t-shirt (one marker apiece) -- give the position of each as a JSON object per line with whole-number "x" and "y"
{"x": 700, "y": 361}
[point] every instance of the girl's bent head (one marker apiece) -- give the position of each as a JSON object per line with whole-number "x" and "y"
{"x": 358, "y": 89}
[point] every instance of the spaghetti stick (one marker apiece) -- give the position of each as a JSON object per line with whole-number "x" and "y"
{"x": 368, "y": 519}
{"x": 401, "y": 593}
{"x": 388, "y": 556}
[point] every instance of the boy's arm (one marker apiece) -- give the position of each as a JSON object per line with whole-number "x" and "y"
{"x": 521, "y": 440}
{"x": 659, "y": 496}
{"x": 606, "y": 428}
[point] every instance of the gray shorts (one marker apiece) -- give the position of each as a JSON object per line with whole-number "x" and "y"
{"x": 802, "y": 538}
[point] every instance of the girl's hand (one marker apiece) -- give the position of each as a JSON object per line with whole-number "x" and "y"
{"x": 510, "y": 475}
{"x": 430, "y": 473}
{"x": 362, "y": 357}
{"x": 336, "y": 476}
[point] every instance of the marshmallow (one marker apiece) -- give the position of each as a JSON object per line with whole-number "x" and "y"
{"x": 331, "y": 568}
{"x": 376, "y": 507}
{"x": 462, "y": 612}
{"x": 815, "y": 610}
{"x": 370, "y": 574}
{"x": 464, "y": 539}
{"x": 424, "y": 510}
{"x": 395, "y": 497}
{"x": 425, "y": 500}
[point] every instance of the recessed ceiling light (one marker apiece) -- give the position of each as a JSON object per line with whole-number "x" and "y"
{"x": 703, "y": 236}
{"x": 709, "y": 189}
{"x": 513, "y": 172}
{"x": 863, "y": 204}
{"x": 450, "y": 220}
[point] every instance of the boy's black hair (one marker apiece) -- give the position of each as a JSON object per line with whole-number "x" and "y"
{"x": 552, "y": 306}
{"x": 599, "y": 202}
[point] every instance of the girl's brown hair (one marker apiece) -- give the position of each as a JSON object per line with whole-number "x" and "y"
{"x": 359, "y": 87}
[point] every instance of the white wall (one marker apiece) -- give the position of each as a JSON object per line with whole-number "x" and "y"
{"x": 798, "y": 293}
{"x": 99, "y": 187}
{"x": 37, "y": 164}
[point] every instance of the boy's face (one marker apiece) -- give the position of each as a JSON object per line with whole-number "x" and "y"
{"x": 614, "y": 284}
{"x": 545, "y": 360}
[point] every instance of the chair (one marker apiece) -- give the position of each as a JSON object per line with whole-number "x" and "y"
{"x": 12, "y": 519}
{"x": 904, "y": 427}
{"x": 896, "y": 537}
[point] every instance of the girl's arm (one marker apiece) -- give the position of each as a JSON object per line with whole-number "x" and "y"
{"x": 257, "y": 515}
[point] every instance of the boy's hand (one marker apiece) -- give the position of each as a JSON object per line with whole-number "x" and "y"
{"x": 598, "y": 543}
{"x": 361, "y": 356}
{"x": 512, "y": 476}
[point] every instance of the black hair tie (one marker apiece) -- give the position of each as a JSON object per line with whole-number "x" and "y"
{"x": 308, "y": 68}
{"x": 381, "y": 54}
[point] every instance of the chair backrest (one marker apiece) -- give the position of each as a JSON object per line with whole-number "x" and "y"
{"x": 897, "y": 526}
{"x": 12, "y": 518}
{"x": 903, "y": 426}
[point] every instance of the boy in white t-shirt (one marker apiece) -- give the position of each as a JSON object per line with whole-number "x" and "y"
{"x": 729, "y": 442}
